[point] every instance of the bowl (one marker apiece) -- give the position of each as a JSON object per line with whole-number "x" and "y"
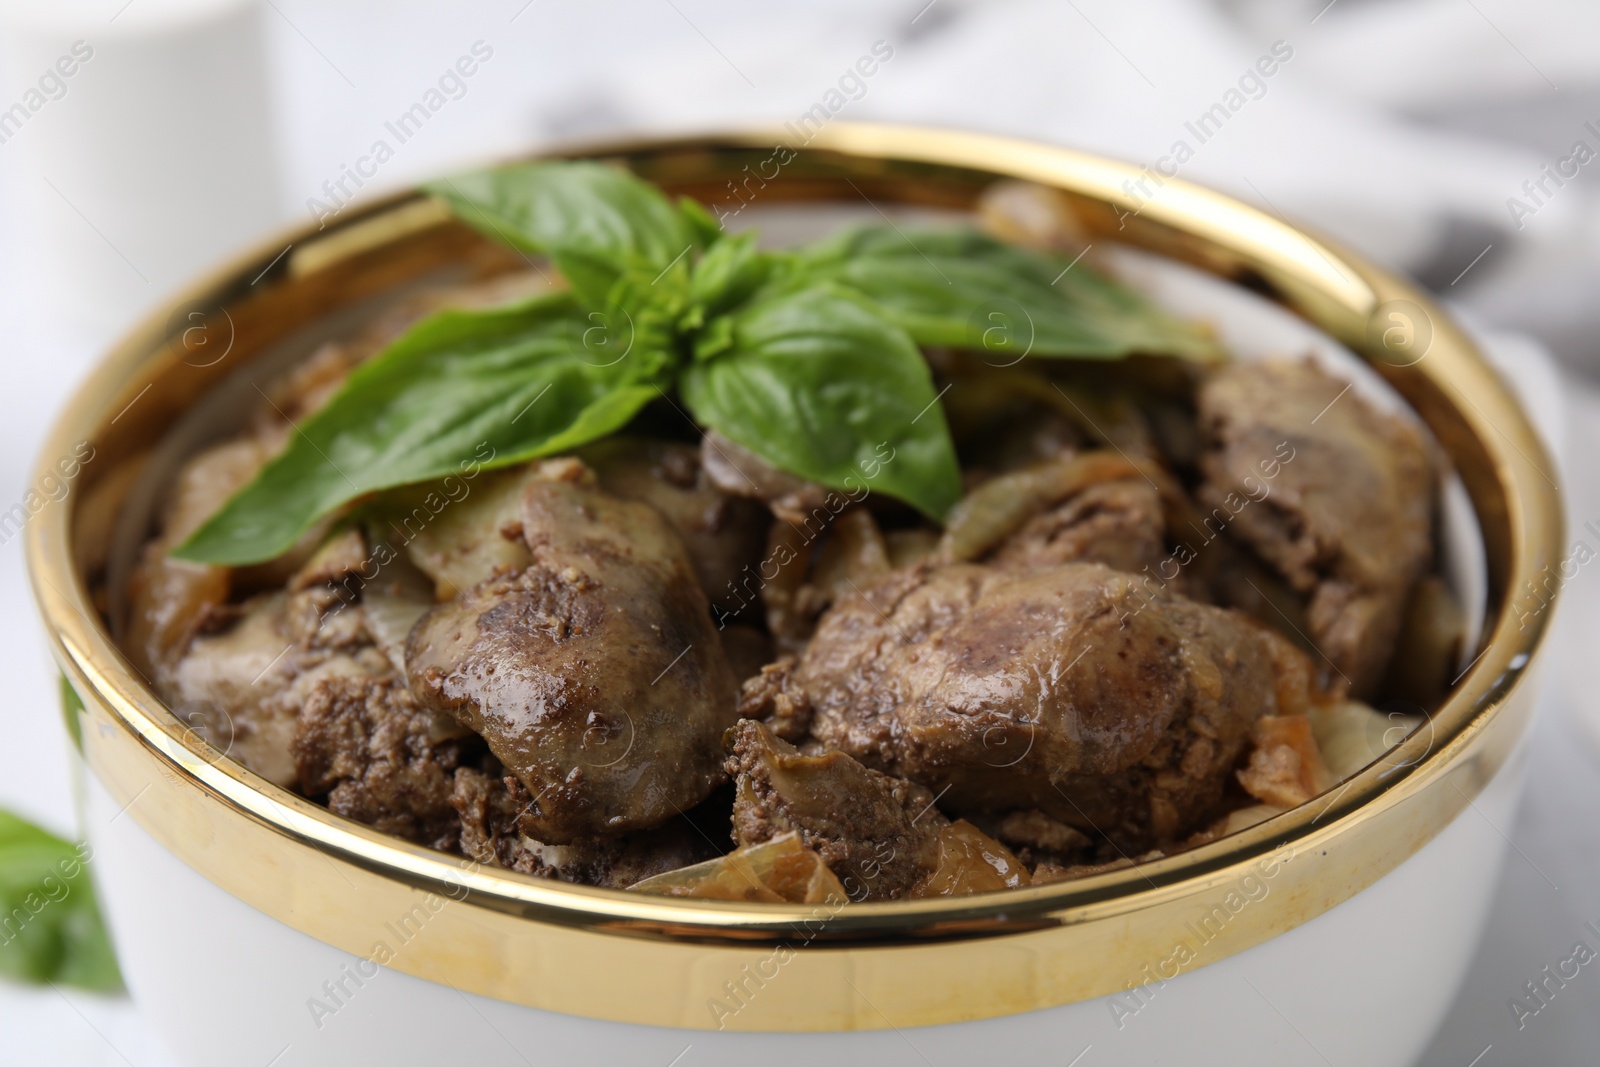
{"x": 254, "y": 926}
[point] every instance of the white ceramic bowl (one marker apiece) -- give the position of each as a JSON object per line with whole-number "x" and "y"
{"x": 256, "y": 928}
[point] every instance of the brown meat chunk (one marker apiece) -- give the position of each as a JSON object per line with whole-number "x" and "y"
{"x": 1101, "y": 700}
{"x": 875, "y": 832}
{"x": 804, "y": 569}
{"x": 242, "y": 687}
{"x": 233, "y": 689}
{"x": 1033, "y": 829}
{"x": 748, "y": 650}
{"x": 595, "y": 674}
{"x": 491, "y": 811}
{"x": 1116, "y": 523}
{"x": 771, "y": 697}
{"x": 724, "y": 533}
{"x": 1340, "y": 500}
{"x": 489, "y": 807}
{"x": 366, "y": 746}
{"x": 619, "y": 862}
{"x": 736, "y": 470}
{"x": 1094, "y": 507}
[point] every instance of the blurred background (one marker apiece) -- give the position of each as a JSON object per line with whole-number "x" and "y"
{"x": 143, "y": 141}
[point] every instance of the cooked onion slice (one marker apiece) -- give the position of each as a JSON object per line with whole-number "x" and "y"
{"x": 970, "y": 861}
{"x": 780, "y": 871}
{"x": 1351, "y": 734}
{"x": 1286, "y": 766}
{"x": 389, "y": 620}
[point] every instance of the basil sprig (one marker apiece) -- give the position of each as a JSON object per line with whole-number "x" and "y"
{"x": 807, "y": 358}
{"x": 50, "y": 928}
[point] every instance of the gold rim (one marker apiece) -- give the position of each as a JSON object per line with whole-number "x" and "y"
{"x": 1080, "y": 939}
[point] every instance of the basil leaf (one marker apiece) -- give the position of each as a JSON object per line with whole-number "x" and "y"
{"x": 728, "y": 273}
{"x": 703, "y": 226}
{"x": 50, "y": 926}
{"x": 965, "y": 289}
{"x": 595, "y": 222}
{"x": 820, "y": 383}
{"x": 481, "y": 388}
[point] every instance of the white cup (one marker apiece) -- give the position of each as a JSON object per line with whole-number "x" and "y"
{"x": 144, "y": 141}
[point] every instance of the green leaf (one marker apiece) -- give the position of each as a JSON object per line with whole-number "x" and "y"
{"x": 807, "y": 357}
{"x": 50, "y": 926}
{"x": 965, "y": 289}
{"x": 728, "y": 273}
{"x": 487, "y": 388}
{"x": 820, "y": 383}
{"x": 706, "y": 230}
{"x": 595, "y": 222}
